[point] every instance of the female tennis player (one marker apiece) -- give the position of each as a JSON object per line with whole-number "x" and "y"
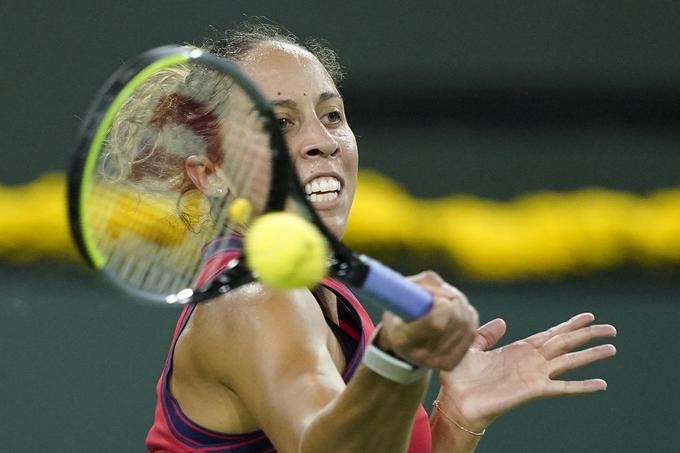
{"x": 258, "y": 370}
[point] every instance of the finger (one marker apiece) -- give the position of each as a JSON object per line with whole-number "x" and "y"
{"x": 444, "y": 355}
{"x": 438, "y": 340}
{"x": 427, "y": 278}
{"x": 571, "y": 361}
{"x": 448, "y": 322}
{"x": 573, "y": 388}
{"x": 445, "y": 291}
{"x": 435, "y": 284}
{"x": 576, "y": 322}
{"x": 390, "y": 323}
{"x": 489, "y": 334}
{"x": 568, "y": 341}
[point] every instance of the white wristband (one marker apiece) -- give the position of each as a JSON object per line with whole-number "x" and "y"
{"x": 391, "y": 367}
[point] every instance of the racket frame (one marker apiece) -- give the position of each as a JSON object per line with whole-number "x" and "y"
{"x": 397, "y": 293}
{"x": 98, "y": 120}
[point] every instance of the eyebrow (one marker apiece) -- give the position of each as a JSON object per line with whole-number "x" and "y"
{"x": 326, "y": 95}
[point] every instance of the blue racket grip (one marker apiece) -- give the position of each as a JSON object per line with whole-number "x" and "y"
{"x": 398, "y": 295}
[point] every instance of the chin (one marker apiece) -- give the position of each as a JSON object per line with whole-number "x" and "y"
{"x": 335, "y": 224}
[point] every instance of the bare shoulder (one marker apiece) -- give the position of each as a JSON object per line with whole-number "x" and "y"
{"x": 252, "y": 323}
{"x": 245, "y": 349}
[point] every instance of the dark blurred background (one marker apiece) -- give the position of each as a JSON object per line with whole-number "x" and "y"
{"x": 492, "y": 98}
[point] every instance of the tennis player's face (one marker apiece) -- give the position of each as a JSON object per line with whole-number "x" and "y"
{"x": 312, "y": 117}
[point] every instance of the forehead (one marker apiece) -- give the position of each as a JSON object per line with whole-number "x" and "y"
{"x": 277, "y": 67}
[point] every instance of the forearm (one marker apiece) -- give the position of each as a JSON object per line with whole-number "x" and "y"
{"x": 372, "y": 414}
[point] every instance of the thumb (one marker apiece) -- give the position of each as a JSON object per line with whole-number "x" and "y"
{"x": 489, "y": 334}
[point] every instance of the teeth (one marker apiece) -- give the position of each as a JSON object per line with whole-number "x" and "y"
{"x": 325, "y": 185}
{"x": 317, "y": 197}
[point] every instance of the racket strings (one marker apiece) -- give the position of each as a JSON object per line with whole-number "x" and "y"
{"x": 148, "y": 219}
{"x": 246, "y": 163}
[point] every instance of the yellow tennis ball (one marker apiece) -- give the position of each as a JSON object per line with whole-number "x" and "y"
{"x": 286, "y": 251}
{"x": 240, "y": 210}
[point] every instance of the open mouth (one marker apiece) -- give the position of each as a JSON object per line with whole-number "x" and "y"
{"x": 323, "y": 188}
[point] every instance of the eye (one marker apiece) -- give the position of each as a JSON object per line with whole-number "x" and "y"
{"x": 334, "y": 117}
{"x": 284, "y": 123}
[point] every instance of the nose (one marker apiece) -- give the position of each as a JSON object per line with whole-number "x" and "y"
{"x": 318, "y": 141}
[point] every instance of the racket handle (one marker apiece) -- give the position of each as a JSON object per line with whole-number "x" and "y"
{"x": 399, "y": 295}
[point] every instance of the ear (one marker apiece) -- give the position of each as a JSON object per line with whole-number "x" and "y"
{"x": 207, "y": 177}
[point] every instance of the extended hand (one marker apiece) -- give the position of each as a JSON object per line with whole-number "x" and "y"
{"x": 488, "y": 383}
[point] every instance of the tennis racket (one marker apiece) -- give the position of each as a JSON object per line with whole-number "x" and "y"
{"x": 135, "y": 212}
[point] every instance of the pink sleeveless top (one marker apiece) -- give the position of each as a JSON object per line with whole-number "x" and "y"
{"x": 173, "y": 431}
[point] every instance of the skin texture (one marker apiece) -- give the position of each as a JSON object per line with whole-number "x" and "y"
{"x": 240, "y": 366}
{"x": 490, "y": 382}
{"x": 312, "y": 117}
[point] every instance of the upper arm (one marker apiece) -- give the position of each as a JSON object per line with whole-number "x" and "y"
{"x": 270, "y": 348}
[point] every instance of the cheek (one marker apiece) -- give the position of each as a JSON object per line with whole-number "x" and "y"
{"x": 290, "y": 145}
{"x": 351, "y": 164}
{"x": 350, "y": 150}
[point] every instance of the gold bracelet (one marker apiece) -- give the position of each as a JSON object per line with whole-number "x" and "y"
{"x": 436, "y": 405}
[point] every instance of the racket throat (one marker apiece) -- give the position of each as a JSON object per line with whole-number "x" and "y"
{"x": 234, "y": 275}
{"x": 351, "y": 269}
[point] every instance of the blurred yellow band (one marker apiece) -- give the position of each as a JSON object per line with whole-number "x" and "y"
{"x": 537, "y": 234}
